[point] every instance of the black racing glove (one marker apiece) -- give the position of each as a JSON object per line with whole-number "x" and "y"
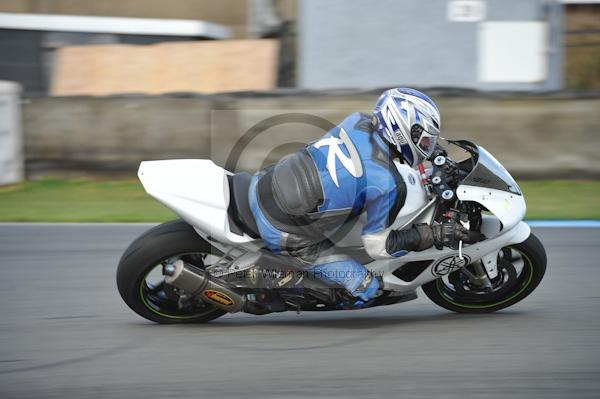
{"x": 423, "y": 236}
{"x": 417, "y": 238}
{"x": 449, "y": 233}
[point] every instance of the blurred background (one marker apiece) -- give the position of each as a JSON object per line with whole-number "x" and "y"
{"x": 90, "y": 89}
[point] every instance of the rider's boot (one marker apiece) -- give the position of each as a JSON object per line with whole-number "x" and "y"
{"x": 350, "y": 274}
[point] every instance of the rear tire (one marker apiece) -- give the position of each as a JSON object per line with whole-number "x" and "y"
{"x": 171, "y": 239}
{"x": 533, "y": 256}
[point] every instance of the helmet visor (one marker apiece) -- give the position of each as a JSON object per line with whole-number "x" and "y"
{"x": 427, "y": 143}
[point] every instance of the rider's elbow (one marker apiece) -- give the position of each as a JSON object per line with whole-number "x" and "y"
{"x": 375, "y": 245}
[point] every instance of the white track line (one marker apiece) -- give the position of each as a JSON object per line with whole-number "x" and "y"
{"x": 593, "y": 224}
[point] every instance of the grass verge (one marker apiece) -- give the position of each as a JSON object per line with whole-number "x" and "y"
{"x": 126, "y": 201}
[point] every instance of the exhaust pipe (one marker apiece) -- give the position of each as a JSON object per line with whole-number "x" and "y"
{"x": 196, "y": 282}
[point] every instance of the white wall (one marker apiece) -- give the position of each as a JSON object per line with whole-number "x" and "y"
{"x": 11, "y": 137}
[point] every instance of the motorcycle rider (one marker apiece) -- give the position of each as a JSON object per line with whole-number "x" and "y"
{"x": 347, "y": 172}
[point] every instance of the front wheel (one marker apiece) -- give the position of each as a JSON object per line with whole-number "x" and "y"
{"x": 521, "y": 268}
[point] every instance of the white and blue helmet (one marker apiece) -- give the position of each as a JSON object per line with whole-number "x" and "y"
{"x": 409, "y": 120}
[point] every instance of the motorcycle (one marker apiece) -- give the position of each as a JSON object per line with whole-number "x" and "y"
{"x": 212, "y": 261}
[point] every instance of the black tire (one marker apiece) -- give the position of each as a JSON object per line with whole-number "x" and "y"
{"x": 534, "y": 260}
{"x": 164, "y": 241}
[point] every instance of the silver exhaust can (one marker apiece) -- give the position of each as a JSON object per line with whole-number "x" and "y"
{"x": 195, "y": 282}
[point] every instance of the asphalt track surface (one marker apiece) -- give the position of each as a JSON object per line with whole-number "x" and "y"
{"x": 64, "y": 332}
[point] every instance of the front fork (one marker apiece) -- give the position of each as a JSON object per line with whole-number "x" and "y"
{"x": 487, "y": 269}
{"x": 481, "y": 276}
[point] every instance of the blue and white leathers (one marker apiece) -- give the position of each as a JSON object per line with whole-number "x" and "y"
{"x": 356, "y": 175}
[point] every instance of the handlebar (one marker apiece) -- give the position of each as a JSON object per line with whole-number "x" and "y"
{"x": 443, "y": 179}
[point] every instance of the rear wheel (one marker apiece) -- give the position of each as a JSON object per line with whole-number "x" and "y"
{"x": 521, "y": 268}
{"x": 140, "y": 277}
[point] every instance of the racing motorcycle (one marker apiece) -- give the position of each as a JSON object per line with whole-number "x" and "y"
{"x": 212, "y": 261}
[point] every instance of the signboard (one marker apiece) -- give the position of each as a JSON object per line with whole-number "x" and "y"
{"x": 513, "y": 52}
{"x": 466, "y": 10}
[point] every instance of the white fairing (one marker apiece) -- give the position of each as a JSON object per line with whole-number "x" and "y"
{"x": 508, "y": 207}
{"x": 196, "y": 190}
{"x": 416, "y": 197}
{"x": 490, "y": 185}
{"x": 471, "y": 253}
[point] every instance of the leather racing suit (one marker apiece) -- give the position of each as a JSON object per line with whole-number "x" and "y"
{"x": 347, "y": 172}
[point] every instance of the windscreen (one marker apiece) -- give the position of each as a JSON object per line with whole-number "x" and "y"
{"x": 488, "y": 172}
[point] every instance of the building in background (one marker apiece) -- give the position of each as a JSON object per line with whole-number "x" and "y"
{"x": 522, "y": 45}
{"x": 28, "y": 42}
{"x": 475, "y": 44}
{"x": 32, "y": 32}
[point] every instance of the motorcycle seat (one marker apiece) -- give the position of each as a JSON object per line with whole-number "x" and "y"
{"x": 239, "y": 207}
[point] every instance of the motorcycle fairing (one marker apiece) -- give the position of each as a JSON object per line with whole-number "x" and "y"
{"x": 490, "y": 185}
{"x": 196, "y": 190}
{"x": 471, "y": 253}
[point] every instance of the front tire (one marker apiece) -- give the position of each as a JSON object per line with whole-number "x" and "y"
{"x": 145, "y": 256}
{"x": 454, "y": 293}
